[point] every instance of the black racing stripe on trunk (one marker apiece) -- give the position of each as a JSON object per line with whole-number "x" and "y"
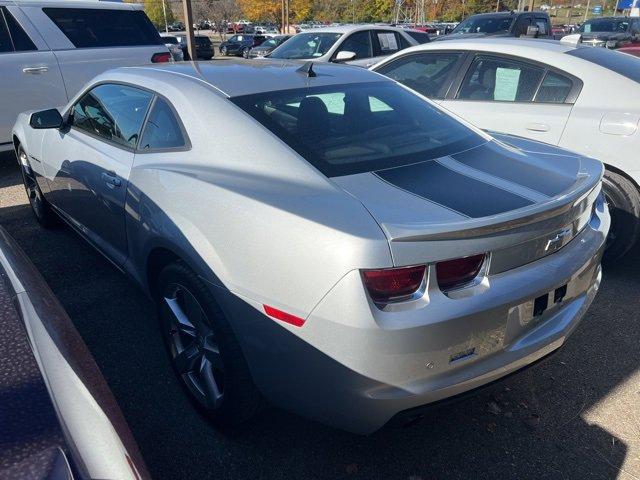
{"x": 433, "y": 181}
{"x": 490, "y": 160}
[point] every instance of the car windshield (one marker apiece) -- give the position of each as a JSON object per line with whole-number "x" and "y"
{"x": 306, "y": 45}
{"x": 272, "y": 42}
{"x": 362, "y": 127}
{"x": 620, "y": 63}
{"x": 604, "y": 25}
{"x": 484, "y": 25}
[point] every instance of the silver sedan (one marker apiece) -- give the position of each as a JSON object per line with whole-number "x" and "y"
{"x": 319, "y": 236}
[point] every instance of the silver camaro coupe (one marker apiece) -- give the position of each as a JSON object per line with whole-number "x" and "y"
{"x": 320, "y": 237}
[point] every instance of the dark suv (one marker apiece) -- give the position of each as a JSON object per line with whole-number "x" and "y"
{"x": 502, "y": 24}
{"x": 204, "y": 47}
{"x": 610, "y": 32}
{"x": 241, "y": 44}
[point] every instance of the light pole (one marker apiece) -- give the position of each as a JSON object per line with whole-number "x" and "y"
{"x": 164, "y": 12}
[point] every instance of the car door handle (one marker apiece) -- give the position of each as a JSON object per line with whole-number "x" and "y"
{"x": 36, "y": 70}
{"x": 111, "y": 179}
{"x": 537, "y": 127}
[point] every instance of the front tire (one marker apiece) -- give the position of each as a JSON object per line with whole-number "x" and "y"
{"x": 203, "y": 348}
{"x": 41, "y": 209}
{"x": 223, "y": 51}
{"x": 623, "y": 199}
{"x": 245, "y": 53}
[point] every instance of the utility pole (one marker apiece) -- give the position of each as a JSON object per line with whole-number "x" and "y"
{"x": 282, "y": 17}
{"x": 286, "y": 3}
{"x": 586, "y": 10}
{"x": 164, "y": 12}
{"x": 497, "y": 5}
{"x": 188, "y": 20}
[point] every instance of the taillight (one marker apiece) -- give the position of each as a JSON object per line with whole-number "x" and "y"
{"x": 459, "y": 271}
{"x": 393, "y": 284}
{"x": 161, "y": 57}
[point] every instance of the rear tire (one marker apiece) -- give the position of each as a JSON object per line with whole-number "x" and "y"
{"x": 623, "y": 199}
{"x": 219, "y": 381}
{"x": 41, "y": 209}
{"x": 223, "y": 51}
{"x": 245, "y": 53}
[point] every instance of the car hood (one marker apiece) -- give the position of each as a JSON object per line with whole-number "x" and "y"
{"x": 507, "y": 185}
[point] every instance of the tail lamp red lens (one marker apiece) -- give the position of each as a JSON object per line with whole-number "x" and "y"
{"x": 459, "y": 271}
{"x": 161, "y": 57}
{"x": 390, "y": 284}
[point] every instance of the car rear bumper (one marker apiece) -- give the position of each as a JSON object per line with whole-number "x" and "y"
{"x": 357, "y": 373}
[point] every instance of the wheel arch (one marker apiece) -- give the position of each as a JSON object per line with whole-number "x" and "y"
{"x": 622, "y": 173}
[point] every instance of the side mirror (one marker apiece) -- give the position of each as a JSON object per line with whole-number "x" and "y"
{"x": 46, "y": 119}
{"x": 344, "y": 56}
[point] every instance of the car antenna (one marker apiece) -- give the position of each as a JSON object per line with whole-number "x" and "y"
{"x": 308, "y": 69}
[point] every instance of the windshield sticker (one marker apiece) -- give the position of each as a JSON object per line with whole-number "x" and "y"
{"x": 507, "y": 80}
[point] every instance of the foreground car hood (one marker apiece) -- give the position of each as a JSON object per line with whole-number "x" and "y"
{"x": 495, "y": 188}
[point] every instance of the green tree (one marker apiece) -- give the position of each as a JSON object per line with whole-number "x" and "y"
{"x": 155, "y": 12}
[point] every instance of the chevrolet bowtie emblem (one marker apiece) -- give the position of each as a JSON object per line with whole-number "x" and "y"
{"x": 557, "y": 241}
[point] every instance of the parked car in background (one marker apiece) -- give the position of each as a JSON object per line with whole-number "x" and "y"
{"x": 267, "y": 46}
{"x": 361, "y": 45}
{"x": 175, "y": 47}
{"x": 610, "y": 32}
{"x": 631, "y": 50}
{"x": 176, "y": 27}
{"x": 503, "y": 24}
{"x": 48, "y": 51}
{"x": 583, "y": 99}
{"x": 58, "y": 418}
{"x": 204, "y": 46}
{"x": 239, "y": 45}
{"x": 462, "y": 257}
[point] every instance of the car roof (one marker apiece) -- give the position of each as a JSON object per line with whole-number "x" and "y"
{"x": 509, "y": 45}
{"x": 245, "y": 77}
{"x": 109, "y": 5}
{"x": 350, "y": 28}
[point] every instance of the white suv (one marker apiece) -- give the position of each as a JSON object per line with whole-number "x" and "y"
{"x": 50, "y": 49}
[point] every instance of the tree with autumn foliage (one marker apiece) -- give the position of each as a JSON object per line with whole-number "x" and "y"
{"x": 271, "y": 11}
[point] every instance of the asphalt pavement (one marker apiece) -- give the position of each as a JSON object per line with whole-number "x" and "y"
{"x": 577, "y": 416}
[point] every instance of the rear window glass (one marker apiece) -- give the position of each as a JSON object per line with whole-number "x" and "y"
{"x": 420, "y": 37}
{"x": 623, "y": 64}
{"x": 98, "y": 27}
{"x": 355, "y": 128}
{"x": 203, "y": 41}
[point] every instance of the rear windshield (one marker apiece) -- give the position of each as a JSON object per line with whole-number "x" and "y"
{"x": 306, "y": 45}
{"x": 493, "y": 24}
{"x": 621, "y": 63}
{"x": 203, "y": 41}
{"x": 355, "y": 128}
{"x": 98, "y": 27}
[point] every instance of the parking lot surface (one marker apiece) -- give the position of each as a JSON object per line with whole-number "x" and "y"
{"x": 575, "y": 416}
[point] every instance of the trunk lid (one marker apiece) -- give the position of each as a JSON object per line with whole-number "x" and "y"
{"x": 517, "y": 199}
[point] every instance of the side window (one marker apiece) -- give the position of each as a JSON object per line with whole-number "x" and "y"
{"x": 112, "y": 112}
{"x": 522, "y": 25}
{"x": 554, "y": 88}
{"x": 5, "y": 40}
{"x": 21, "y": 41}
{"x": 543, "y": 26}
{"x": 386, "y": 42}
{"x": 500, "y": 79}
{"x": 359, "y": 43}
{"x": 425, "y": 73}
{"x": 162, "y": 129}
{"x": 99, "y": 27}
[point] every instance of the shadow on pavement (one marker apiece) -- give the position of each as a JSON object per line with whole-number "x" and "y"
{"x": 531, "y": 426}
